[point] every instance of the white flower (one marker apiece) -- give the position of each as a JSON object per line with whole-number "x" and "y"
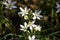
{"x": 58, "y": 7}
{"x": 24, "y": 11}
{"x": 31, "y": 38}
{"x": 24, "y": 28}
{"x": 10, "y": 4}
{"x": 31, "y": 25}
{"x": 38, "y": 28}
{"x": 37, "y": 15}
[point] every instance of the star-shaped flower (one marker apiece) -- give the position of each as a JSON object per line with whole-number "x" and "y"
{"x": 24, "y": 28}
{"x": 58, "y": 7}
{"x": 38, "y": 28}
{"x": 37, "y": 15}
{"x": 24, "y": 11}
{"x": 9, "y": 4}
{"x": 31, "y": 38}
{"x": 31, "y": 24}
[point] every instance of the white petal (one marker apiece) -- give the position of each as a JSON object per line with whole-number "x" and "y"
{"x": 33, "y": 37}
{"x": 9, "y": 1}
{"x": 25, "y": 24}
{"x": 26, "y": 13}
{"x": 38, "y": 18}
{"x": 30, "y": 27}
{"x": 35, "y": 11}
{"x": 58, "y": 11}
{"x": 39, "y": 29}
{"x": 6, "y": 7}
{"x": 33, "y": 22}
{"x": 28, "y": 10}
{"x": 21, "y": 26}
{"x": 29, "y": 37}
{"x": 19, "y": 13}
{"x": 34, "y": 25}
{"x": 13, "y": 7}
{"x": 23, "y": 14}
{"x": 21, "y": 9}
{"x": 10, "y": 8}
{"x": 39, "y": 12}
{"x": 57, "y": 5}
{"x": 22, "y": 29}
{"x": 33, "y": 14}
{"x": 25, "y": 8}
{"x": 14, "y": 2}
{"x": 5, "y": 3}
{"x": 34, "y": 17}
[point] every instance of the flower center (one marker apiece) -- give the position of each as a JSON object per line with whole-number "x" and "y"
{"x": 36, "y": 15}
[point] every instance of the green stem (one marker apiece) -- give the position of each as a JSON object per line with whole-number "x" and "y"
{"x": 54, "y": 33}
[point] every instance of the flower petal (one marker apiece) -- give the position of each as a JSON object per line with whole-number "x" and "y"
{"x": 38, "y": 18}
{"x": 34, "y": 25}
{"x": 33, "y": 37}
{"x": 19, "y": 13}
{"x": 13, "y": 7}
{"x": 6, "y": 7}
{"x": 10, "y": 8}
{"x": 39, "y": 12}
{"x": 35, "y": 11}
{"x": 33, "y": 14}
{"x": 21, "y": 26}
{"x": 33, "y": 22}
{"x": 57, "y": 5}
{"x": 26, "y": 13}
{"x": 22, "y": 29}
{"x": 5, "y": 3}
{"x": 21, "y": 9}
{"x": 29, "y": 37}
{"x": 28, "y": 10}
{"x": 25, "y": 24}
{"x": 9, "y": 1}
{"x": 30, "y": 27}
{"x": 58, "y": 11}
{"x": 25, "y": 8}
{"x": 23, "y": 14}
{"x": 14, "y": 2}
{"x": 34, "y": 17}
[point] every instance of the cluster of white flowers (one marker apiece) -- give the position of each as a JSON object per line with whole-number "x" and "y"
{"x": 31, "y": 24}
{"x": 24, "y": 12}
